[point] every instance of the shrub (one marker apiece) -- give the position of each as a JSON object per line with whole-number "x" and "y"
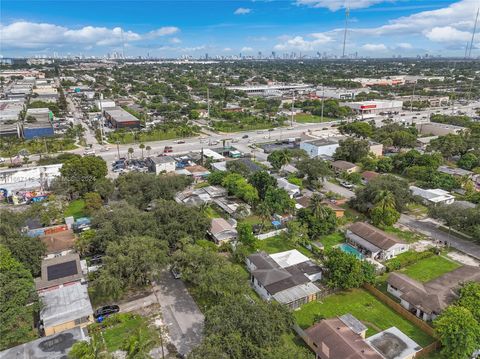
{"x": 407, "y": 258}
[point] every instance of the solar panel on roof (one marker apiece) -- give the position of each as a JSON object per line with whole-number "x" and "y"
{"x": 61, "y": 270}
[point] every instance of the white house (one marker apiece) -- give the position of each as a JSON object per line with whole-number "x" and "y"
{"x": 163, "y": 164}
{"x": 433, "y": 196}
{"x": 320, "y": 147}
{"x": 292, "y": 189}
{"x": 373, "y": 242}
{"x": 286, "y": 277}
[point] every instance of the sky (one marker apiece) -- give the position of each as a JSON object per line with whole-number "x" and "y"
{"x": 162, "y": 28}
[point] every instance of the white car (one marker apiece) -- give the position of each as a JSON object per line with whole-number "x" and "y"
{"x": 89, "y": 152}
{"x": 2, "y": 160}
{"x": 346, "y": 184}
{"x": 104, "y": 149}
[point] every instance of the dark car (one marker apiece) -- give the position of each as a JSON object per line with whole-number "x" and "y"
{"x": 106, "y": 311}
{"x": 245, "y": 136}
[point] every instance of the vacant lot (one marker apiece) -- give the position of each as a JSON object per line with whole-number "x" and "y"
{"x": 365, "y": 307}
{"x": 332, "y": 240}
{"x": 279, "y": 244}
{"x": 76, "y": 209}
{"x": 430, "y": 268}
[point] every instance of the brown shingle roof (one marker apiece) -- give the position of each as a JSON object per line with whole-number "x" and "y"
{"x": 375, "y": 236}
{"x": 333, "y": 339}
{"x": 343, "y": 165}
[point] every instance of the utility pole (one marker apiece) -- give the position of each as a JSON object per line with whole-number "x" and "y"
{"x": 323, "y": 100}
{"x": 208, "y": 103}
{"x": 347, "y": 14}
{"x": 118, "y": 149}
{"x": 473, "y": 34}
{"x": 413, "y": 94}
{"x": 293, "y": 105}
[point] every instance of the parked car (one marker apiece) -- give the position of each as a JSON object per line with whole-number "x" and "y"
{"x": 105, "y": 149}
{"x": 106, "y": 311}
{"x": 180, "y": 141}
{"x": 167, "y": 149}
{"x": 346, "y": 184}
{"x": 89, "y": 152}
{"x": 245, "y": 136}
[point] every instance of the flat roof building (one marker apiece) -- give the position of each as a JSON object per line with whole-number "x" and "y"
{"x": 375, "y": 107}
{"x": 119, "y": 118}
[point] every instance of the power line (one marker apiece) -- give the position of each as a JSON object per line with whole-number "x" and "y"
{"x": 473, "y": 34}
{"x": 347, "y": 14}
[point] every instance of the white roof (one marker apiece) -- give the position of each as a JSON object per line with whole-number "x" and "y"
{"x": 289, "y": 258}
{"x": 393, "y": 344}
{"x": 433, "y": 195}
{"x": 287, "y": 186}
{"x": 220, "y": 166}
{"x": 207, "y": 152}
{"x": 292, "y": 294}
{"x": 65, "y": 304}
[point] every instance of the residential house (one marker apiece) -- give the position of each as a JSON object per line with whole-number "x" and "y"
{"x": 59, "y": 271}
{"x": 427, "y": 300}
{"x": 222, "y": 231}
{"x": 197, "y": 172}
{"x": 344, "y": 337}
{"x": 373, "y": 242}
{"x": 376, "y": 148}
{"x": 286, "y": 277}
{"x": 162, "y": 164}
{"x": 433, "y": 196}
{"x": 367, "y": 176}
{"x": 53, "y": 346}
{"x": 344, "y": 166}
{"x": 292, "y": 189}
{"x": 304, "y": 202}
{"x": 65, "y": 307}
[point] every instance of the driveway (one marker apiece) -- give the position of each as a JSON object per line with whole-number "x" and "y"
{"x": 180, "y": 313}
{"x": 342, "y": 191}
{"x": 431, "y": 230}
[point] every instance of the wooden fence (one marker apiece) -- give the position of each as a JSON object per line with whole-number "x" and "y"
{"x": 400, "y": 310}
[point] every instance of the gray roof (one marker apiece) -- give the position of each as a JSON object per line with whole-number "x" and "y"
{"x": 64, "y": 304}
{"x": 393, "y": 344}
{"x": 162, "y": 159}
{"x": 353, "y": 323}
{"x": 323, "y": 142}
{"x": 120, "y": 115}
{"x": 52, "y": 347}
{"x": 343, "y": 165}
{"x": 65, "y": 271}
{"x": 374, "y": 235}
{"x": 290, "y": 295}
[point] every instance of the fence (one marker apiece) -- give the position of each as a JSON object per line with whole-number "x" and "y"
{"x": 400, "y": 310}
{"x": 270, "y": 234}
{"x": 428, "y": 349}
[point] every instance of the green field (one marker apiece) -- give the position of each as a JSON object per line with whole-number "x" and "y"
{"x": 332, "y": 240}
{"x": 76, "y": 209}
{"x": 306, "y": 118}
{"x": 430, "y": 268}
{"x": 279, "y": 244}
{"x": 365, "y": 307}
{"x": 224, "y": 126}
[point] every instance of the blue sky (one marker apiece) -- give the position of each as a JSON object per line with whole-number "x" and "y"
{"x": 377, "y": 28}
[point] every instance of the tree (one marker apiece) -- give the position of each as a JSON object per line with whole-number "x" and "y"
{"x": 27, "y": 250}
{"x": 468, "y": 161}
{"x": 262, "y": 181}
{"x": 141, "y": 146}
{"x": 279, "y": 158}
{"x": 352, "y": 150}
{"x": 93, "y": 202}
{"x": 316, "y": 227}
{"x": 358, "y": 129}
{"x": 17, "y": 294}
{"x": 91, "y": 349}
{"x": 449, "y": 145}
{"x": 314, "y": 169}
{"x": 384, "y": 212}
{"x": 81, "y": 173}
{"x": 216, "y": 177}
{"x": 104, "y": 187}
{"x": 138, "y": 345}
{"x": 403, "y": 139}
{"x": 385, "y": 165}
{"x": 245, "y": 234}
{"x": 470, "y": 298}
{"x": 297, "y": 233}
{"x": 345, "y": 271}
{"x": 130, "y": 152}
{"x": 458, "y": 331}
{"x": 278, "y": 201}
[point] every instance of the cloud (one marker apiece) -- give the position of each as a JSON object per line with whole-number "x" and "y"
{"x": 242, "y": 11}
{"x": 175, "y": 40}
{"x": 246, "y": 49}
{"x": 227, "y": 49}
{"x": 30, "y": 35}
{"x": 404, "y": 45}
{"x": 447, "y": 34}
{"x": 374, "y": 47}
{"x": 301, "y": 44}
{"x": 334, "y": 5}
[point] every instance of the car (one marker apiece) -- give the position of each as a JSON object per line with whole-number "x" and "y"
{"x": 245, "y": 136}
{"x": 168, "y": 149}
{"x": 402, "y": 114}
{"x": 2, "y": 160}
{"x": 175, "y": 273}
{"x": 213, "y": 143}
{"x": 346, "y": 184}
{"x": 271, "y": 129}
{"x": 106, "y": 311}
{"x": 180, "y": 141}
{"x": 89, "y": 152}
{"x": 260, "y": 132}
{"x": 105, "y": 149}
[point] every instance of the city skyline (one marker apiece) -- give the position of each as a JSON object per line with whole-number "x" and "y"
{"x": 376, "y": 28}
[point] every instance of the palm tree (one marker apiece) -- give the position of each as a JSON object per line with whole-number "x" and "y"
{"x": 319, "y": 210}
{"x": 284, "y": 158}
{"x": 142, "y": 146}
{"x": 138, "y": 345}
{"x": 130, "y": 152}
{"x": 386, "y": 200}
{"x": 93, "y": 349}
{"x": 263, "y": 212}
{"x": 148, "y": 148}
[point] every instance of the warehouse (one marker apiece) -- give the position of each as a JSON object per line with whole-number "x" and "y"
{"x": 38, "y": 123}
{"x": 119, "y": 118}
{"x": 375, "y": 107}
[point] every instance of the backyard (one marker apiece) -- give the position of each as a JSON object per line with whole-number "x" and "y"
{"x": 279, "y": 244}
{"x": 365, "y": 307}
{"x": 430, "y": 268}
{"x": 332, "y": 240}
{"x": 76, "y": 209}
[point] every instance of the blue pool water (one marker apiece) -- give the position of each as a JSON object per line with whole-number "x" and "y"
{"x": 347, "y": 248}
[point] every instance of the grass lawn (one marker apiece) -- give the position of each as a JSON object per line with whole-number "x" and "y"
{"x": 365, "y": 307}
{"x": 225, "y": 126}
{"x": 116, "y": 329}
{"x": 76, "y": 209}
{"x": 332, "y": 239}
{"x": 407, "y": 236}
{"x": 211, "y": 212}
{"x": 279, "y": 244}
{"x": 306, "y": 118}
{"x": 430, "y": 268}
{"x": 153, "y": 135}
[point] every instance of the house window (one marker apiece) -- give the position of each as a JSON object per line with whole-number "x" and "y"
{"x": 81, "y": 320}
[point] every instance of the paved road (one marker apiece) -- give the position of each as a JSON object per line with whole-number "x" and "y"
{"x": 431, "y": 230}
{"x": 180, "y": 313}
{"x": 342, "y": 191}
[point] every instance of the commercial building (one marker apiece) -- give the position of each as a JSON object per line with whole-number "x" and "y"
{"x": 65, "y": 308}
{"x": 320, "y": 147}
{"x": 286, "y": 277}
{"x": 438, "y": 129}
{"x": 384, "y": 81}
{"x": 268, "y": 90}
{"x": 375, "y": 107}
{"x": 373, "y": 242}
{"x": 38, "y": 123}
{"x": 28, "y": 178}
{"x": 428, "y": 299}
{"x": 340, "y": 93}
{"x": 162, "y": 164}
{"x": 433, "y": 196}
{"x": 119, "y": 118}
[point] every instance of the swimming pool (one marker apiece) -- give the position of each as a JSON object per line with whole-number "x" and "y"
{"x": 347, "y": 248}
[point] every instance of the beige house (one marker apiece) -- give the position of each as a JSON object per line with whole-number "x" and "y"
{"x": 344, "y": 166}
